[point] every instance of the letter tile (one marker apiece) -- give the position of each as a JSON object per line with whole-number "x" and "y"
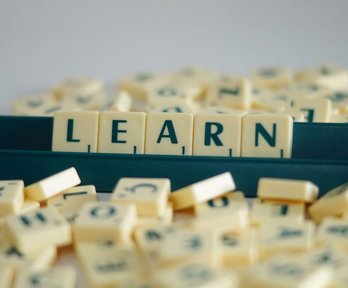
{"x": 11, "y": 197}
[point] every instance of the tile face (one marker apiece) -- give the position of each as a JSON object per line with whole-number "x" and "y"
{"x": 58, "y": 277}
{"x": 314, "y": 110}
{"x": 11, "y": 197}
{"x": 34, "y": 105}
{"x": 273, "y": 78}
{"x": 29, "y": 205}
{"x": 165, "y": 219}
{"x": 150, "y": 195}
{"x": 105, "y": 221}
{"x": 52, "y": 185}
{"x": 43, "y": 227}
{"x": 198, "y": 275}
{"x": 169, "y": 133}
{"x": 334, "y": 231}
{"x": 217, "y": 134}
{"x": 267, "y": 136}
{"x": 85, "y": 101}
{"x": 287, "y": 190}
{"x": 229, "y": 92}
{"x": 75, "y": 131}
{"x": 263, "y": 212}
{"x": 172, "y": 106}
{"x": 333, "y": 203}
{"x": 122, "y": 132}
{"x": 136, "y": 85}
{"x": 202, "y": 191}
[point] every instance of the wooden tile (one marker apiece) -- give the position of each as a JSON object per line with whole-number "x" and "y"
{"x": 275, "y": 238}
{"x": 267, "y": 136}
{"x": 150, "y": 195}
{"x": 6, "y": 275}
{"x": 122, "y": 102}
{"x": 57, "y": 277}
{"x": 75, "y": 131}
{"x": 287, "y": 190}
{"x": 333, "y": 203}
{"x": 42, "y": 227}
{"x": 229, "y": 92}
{"x": 52, "y": 185}
{"x": 169, "y": 133}
{"x": 11, "y": 197}
{"x": 327, "y": 75}
{"x": 217, "y": 134}
{"x": 237, "y": 249}
{"x": 202, "y": 191}
{"x": 195, "y": 274}
{"x": 105, "y": 221}
{"x": 273, "y": 78}
{"x": 314, "y": 110}
{"x": 265, "y": 212}
{"x": 122, "y": 132}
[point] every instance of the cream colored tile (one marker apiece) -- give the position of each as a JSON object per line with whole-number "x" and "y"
{"x": 314, "y": 110}
{"x": 339, "y": 100}
{"x": 229, "y": 92}
{"x": 339, "y": 118}
{"x": 75, "y": 131}
{"x": 217, "y": 134}
{"x": 42, "y": 227}
{"x": 273, "y": 78}
{"x": 57, "y": 277}
{"x": 329, "y": 255}
{"x": 221, "y": 110}
{"x": 202, "y": 191}
{"x": 33, "y": 105}
{"x": 274, "y": 238}
{"x": 287, "y": 190}
{"x": 105, "y": 221}
{"x": 267, "y": 136}
{"x": 266, "y": 212}
{"x": 173, "y": 106}
{"x": 6, "y": 276}
{"x": 238, "y": 249}
{"x": 94, "y": 100}
{"x": 122, "y": 132}
{"x": 169, "y": 133}
{"x": 327, "y": 75}
{"x": 197, "y": 275}
{"x": 286, "y": 272}
{"x": 333, "y": 203}
{"x": 333, "y": 231}
{"x": 29, "y": 206}
{"x": 122, "y": 102}
{"x": 52, "y": 185}
{"x": 11, "y": 197}
{"x": 150, "y": 195}
{"x": 165, "y": 219}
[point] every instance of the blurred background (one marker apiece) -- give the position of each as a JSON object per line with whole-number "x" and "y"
{"x": 42, "y": 42}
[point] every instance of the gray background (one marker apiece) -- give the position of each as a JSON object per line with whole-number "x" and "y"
{"x": 42, "y": 42}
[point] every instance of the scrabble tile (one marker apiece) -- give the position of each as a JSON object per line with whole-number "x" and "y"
{"x": 333, "y": 203}
{"x": 274, "y": 238}
{"x": 221, "y": 110}
{"x": 339, "y": 118}
{"x": 70, "y": 133}
{"x": 42, "y": 227}
{"x": 49, "y": 109}
{"x": 29, "y": 206}
{"x": 285, "y": 272}
{"x": 287, "y": 190}
{"x": 122, "y": 132}
{"x": 340, "y": 276}
{"x": 223, "y": 212}
{"x": 11, "y": 197}
{"x": 267, "y": 136}
{"x": 6, "y": 275}
{"x": 329, "y": 76}
{"x": 315, "y": 110}
{"x": 32, "y": 105}
{"x": 108, "y": 266}
{"x": 122, "y": 102}
{"x": 150, "y": 195}
{"x": 165, "y": 219}
{"x": 217, "y": 134}
{"x": 57, "y": 277}
{"x": 333, "y": 231}
{"x": 329, "y": 255}
{"x": 169, "y": 133}
{"x": 94, "y": 100}
{"x": 105, "y": 221}
{"x": 262, "y": 212}
{"x": 231, "y": 92}
{"x": 34, "y": 259}
{"x": 195, "y": 274}
{"x": 200, "y": 245}
{"x": 173, "y": 106}
{"x": 202, "y": 191}
{"x": 71, "y": 201}
{"x": 52, "y": 185}
{"x": 273, "y": 78}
